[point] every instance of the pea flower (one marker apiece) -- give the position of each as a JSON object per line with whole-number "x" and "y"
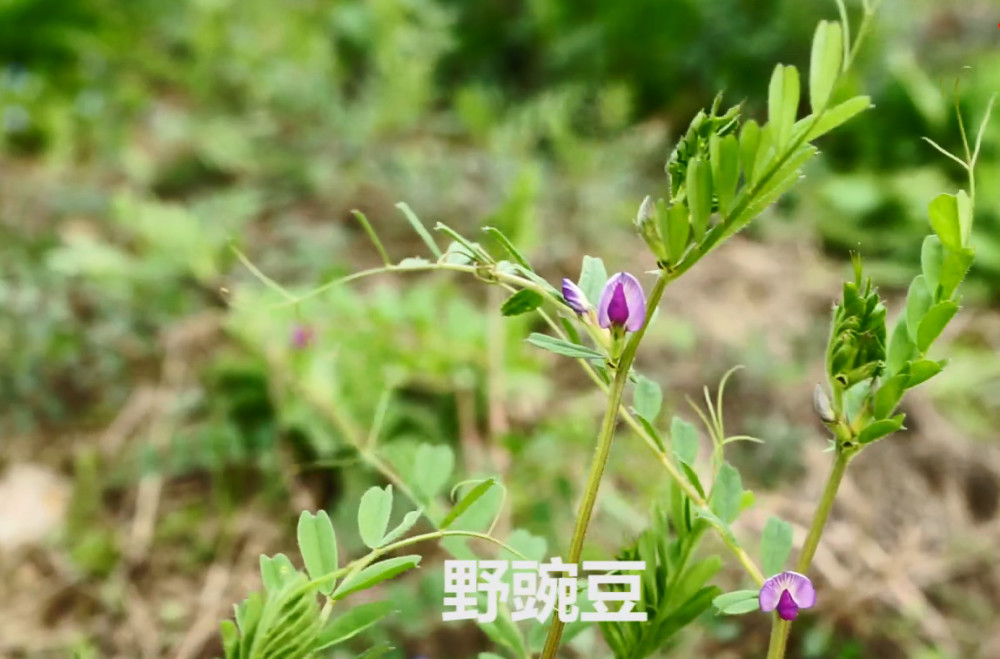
{"x": 787, "y": 592}
{"x": 575, "y": 297}
{"x": 302, "y": 336}
{"x": 623, "y": 304}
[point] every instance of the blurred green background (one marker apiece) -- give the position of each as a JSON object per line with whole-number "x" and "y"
{"x": 150, "y": 444}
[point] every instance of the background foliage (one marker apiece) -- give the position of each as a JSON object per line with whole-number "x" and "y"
{"x": 154, "y": 394}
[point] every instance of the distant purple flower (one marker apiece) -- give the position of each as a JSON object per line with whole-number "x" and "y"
{"x": 787, "y": 592}
{"x": 623, "y": 304}
{"x": 302, "y": 336}
{"x": 575, "y": 297}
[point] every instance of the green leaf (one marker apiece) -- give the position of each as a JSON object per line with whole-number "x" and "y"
{"x": 918, "y": 302}
{"x": 460, "y": 245}
{"x": 377, "y": 651}
{"x": 953, "y": 270}
{"x": 943, "y": 212}
{"x": 824, "y": 64}
{"x": 458, "y": 254}
{"x": 275, "y": 571}
{"x": 717, "y": 523}
{"x": 363, "y": 220}
{"x": 230, "y": 639}
{"x": 737, "y": 602}
{"x": 693, "y": 478}
{"x": 593, "y": 276}
{"x": 376, "y": 573}
{"x": 470, "y": 498}
{"x": 523, "y": 301}
{"x": 934, "y": 323}
{"x": 432, "y": 467}
{"x": 508, "y": 246}
{"x": 652, "y": 432}
{"x": 727, "y": 493}
{"x": 880, "y": 429}
{"x": 783, "y": 102}
{"x": 318, "y": 546}
{"x": 248, "y": 620}
{"x": 647, "y": 398}
{"x": 923, "y": 370}
{"x": 901, "y": 349}
{"x": 699, "y": 196}
{"x": 889, "y": 394}
{"x": 488, "y": 655}
{"x": 775, "y": 545}
{"x": 780, "y": 182}
{"x": 725, "y": 159}
{"x": 506, "y": 633}
{"x": 373, "y": 515}
{"x": 409, "y": 519}
{"x": 749, "y": 143}
{"x": 677, "y": 230}
{"x": 289, "y": 621}
{"x": 534, "y": 277}
{"x": 836, "y": 116}
{"x": 696, "y": 577}
{"x": 531, "y": 546}
{"x": 352, "y": 623}
{"x": 419, "y": 228}
{"x": 684, "y": 440}
{"x": 413, "y": 263}
{"x": 964, "y": 216}
{"x": 931, "y": 259}
{"x": 560, "y": 347}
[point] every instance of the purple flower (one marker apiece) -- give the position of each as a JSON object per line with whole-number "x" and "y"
{"x": 302, "y": 336}
{"x": 787, "y": 592}
{"x": 574, "y": 297}
{"x": 623, "y": 304}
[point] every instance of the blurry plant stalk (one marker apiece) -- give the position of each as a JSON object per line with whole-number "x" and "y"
{"x": 622, "y": 366}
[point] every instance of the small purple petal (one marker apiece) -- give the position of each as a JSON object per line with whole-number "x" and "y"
{"x": 787, "y": 590}
{"x": 624, "y": 293}
{"x": 787, "y": 609}
{"x": 618, "y": 307}
{"x": 302, "y": 336}
{"x": 575, "y": 297}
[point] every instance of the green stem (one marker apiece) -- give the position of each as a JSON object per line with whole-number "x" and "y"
{"x": 672, "y": 470}
{"x": 823, "y": 511}
{"x": 781, "y": 628}
{"x": 511, "y": 283}
{"x": 602, "y": 451}
{"x": 779, "y": 638}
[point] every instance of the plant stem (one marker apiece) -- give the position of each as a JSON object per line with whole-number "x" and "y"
{"x": 781, "y": 628}
{"x": 823, "y": 510}
{"x": 779, "y": 637}
{"x": 672, "y": 470}
{"x": 603, "y": 449}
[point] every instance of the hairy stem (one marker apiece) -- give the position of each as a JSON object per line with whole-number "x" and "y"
{"x": 823, "y": 510}
{"x": 602, "y": 451}
{"x": 781, "y": 628}
{"x": 779, "y": 637}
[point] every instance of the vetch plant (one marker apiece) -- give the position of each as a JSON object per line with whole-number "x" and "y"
{"x": 723, "y": 173}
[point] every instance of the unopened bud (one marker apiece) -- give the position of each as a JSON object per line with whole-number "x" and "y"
{"x": 821, "y": 403}
{"x": 649, "y": 230}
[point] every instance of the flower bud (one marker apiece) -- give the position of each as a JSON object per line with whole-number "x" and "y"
{"x": 649, "y": 230}
{"x": 574, "y": 297}
{"x": 623, "y": 303}
{"x": 302, "y": 336}
{"x": 821, "y": 403}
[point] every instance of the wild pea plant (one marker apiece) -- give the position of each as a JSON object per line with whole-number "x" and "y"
{"x": 723, "y": 173}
